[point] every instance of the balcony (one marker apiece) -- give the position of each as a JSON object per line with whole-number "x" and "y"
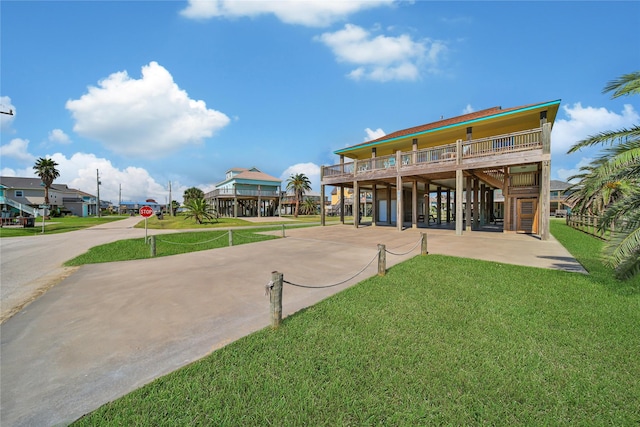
{"x": 485, "y": 152}
{"x": 239, "y": 192}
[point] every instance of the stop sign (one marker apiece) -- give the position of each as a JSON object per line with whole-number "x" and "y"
{"x": 146, "y": 211}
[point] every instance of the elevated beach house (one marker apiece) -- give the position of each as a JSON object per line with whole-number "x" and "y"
{"x": 246, "y": 193}
{"x": 463, "y": 160}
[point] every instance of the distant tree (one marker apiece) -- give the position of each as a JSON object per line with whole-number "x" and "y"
{"x": 298, "y": 184}
{"x": 309, "y": 207}
{"x": 174, "y": 207}
{"x": 200, "y": 210}
{"x": 610, "y": 186}
{"x": 191, "y": 194}
{"x": 46, "y": 170}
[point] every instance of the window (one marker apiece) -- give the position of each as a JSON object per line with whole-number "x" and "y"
{"x": 19, "y": 193}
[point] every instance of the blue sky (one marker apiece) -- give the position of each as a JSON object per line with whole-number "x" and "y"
{"x": 150, "y": 92}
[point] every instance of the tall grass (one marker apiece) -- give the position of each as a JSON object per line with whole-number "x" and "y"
{"x": 437, "y": 341}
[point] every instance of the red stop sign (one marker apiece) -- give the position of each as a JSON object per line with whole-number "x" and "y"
{"x": 146, "y": 211}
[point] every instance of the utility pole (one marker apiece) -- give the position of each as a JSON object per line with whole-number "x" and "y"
{"x": 98, "y": 199}
{"x": 119, "y": 199}
{"x": 170, "y": 207}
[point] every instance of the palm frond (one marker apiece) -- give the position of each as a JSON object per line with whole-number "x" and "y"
{"x": 627, "y": 84}
{"x": 607, "y": 137}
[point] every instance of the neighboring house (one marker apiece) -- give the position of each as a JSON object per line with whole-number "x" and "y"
{"x": 464, "y": 160}
{"x": 133, "y": 208}
{"x": 336, "y": 205}
{"x": 558, "y": 196}
{"x": 246, "y": 192}
{"x": 24, "y": 196}
{"x": 288, "y": 202}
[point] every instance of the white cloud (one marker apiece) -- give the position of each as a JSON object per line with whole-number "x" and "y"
{"x": 18, "y": 149}
{"x": 311, "y": 170}
{"x": 149, "y": 117}
{"x": 583, "y": 122}
{"x": 312, "y": 13}
{"x": 57, "y": 135}
{"x": 382, "y": 58}
{"x": 79, "y": 172}
{"x": 468, "y": 109}
{"x": 564, "y": 174}
{"x": 373, "y": 134}
{"x": 6, "y": 119}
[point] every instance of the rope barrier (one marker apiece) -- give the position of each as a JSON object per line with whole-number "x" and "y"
{"x": 405, "y": 253}
{"x": 194, "y": 243}
{"x": 335, "y": 284}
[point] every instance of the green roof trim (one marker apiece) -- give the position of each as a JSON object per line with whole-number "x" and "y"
{"x": 411, "y": 135}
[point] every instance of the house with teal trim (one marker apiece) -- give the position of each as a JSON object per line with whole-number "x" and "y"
{"x": 463, "y": 161}
{"x": 246, "y": 193}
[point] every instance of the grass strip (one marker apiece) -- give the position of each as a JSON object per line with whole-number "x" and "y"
{"x": 438, "y": 340}
{"x": 167, "y": 245}
{"x": 58, "y": 225}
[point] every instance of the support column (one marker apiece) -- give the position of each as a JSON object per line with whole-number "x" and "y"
{"x": 356, "y": 204}
{"x": 468, "y": 190}
{"x": 414, "y": 204}
{"x": 399, "y": 203}
{"x": 342, "y": 191}
{"x": 235, "y": 202}
{"x": 374, "y": 205}
{"x": 259, "y": 201}
{"x": 389, "y": 204}
{"x": 439, "y": 206}
{"x": 545, "y": 177}
{"x": 476, "y": 204}
{"x": 483, "y": 205}
{"x": 341, "y": 204}
{"x": 459, "y": 191}
{"x": 506, "y": 222}
{"x": 448, "y": 205}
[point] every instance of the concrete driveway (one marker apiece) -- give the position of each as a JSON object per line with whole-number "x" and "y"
{"x": 107, "y": 329}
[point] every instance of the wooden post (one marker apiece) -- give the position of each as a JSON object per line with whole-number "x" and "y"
{"x": 423, "y": 249}
{"x": 152, "y": 240}
{"x": 467, "y": 213}
{"x": 382, "y": 260}
{"x": 276, "y": 299}
{"x": 283, "y": 231}
{"x": 230, "y": 238}
{"x": 459, "y": 191}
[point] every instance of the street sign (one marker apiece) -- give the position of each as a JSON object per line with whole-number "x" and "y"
{"x": 146, "y": 211}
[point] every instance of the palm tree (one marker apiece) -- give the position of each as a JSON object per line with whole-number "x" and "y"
{"x": 200, "y": 210}
{"x": 47, "y": 172}
{"x": 309, "y": 207}
{"x": 610, "y": 185}
{"x": 298, "y": 184}
{"x": 191, "y": 194}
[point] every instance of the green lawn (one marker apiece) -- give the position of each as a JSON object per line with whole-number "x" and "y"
{"x": 58, "y": 225}
{"x": 437, "y": 341}
{"x": 168, "y": 244}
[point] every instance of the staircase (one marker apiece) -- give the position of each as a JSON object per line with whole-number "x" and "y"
{"x": 20, "y": 206}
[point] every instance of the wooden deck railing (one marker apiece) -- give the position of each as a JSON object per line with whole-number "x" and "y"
{"x": 442, "y": 154}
